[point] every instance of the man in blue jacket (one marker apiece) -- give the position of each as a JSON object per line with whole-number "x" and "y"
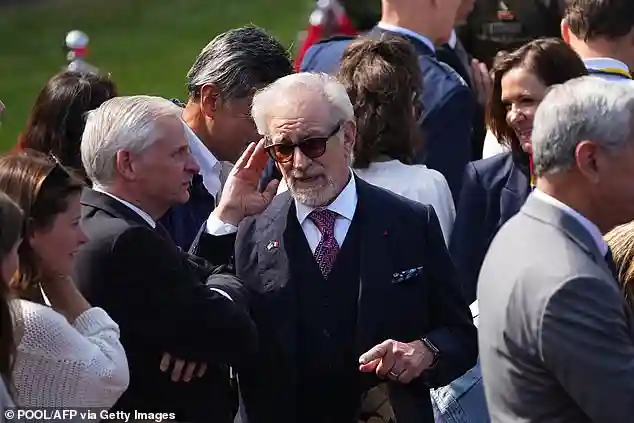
{"x": 448, "y": 102}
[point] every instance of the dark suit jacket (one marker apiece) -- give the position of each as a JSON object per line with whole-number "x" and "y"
{"x": 449, "y": 105}
{"x": 396, "y": 235}
{"x": 460, "y": 61}
{"x": 494, "y": 189}
{"x": 157, "y": 295}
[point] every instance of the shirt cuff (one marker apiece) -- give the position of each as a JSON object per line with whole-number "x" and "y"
{"x": 223, "y": 293}
{"x": 217, "y": 227}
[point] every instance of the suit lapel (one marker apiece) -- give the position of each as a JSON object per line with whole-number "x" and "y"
{"x": 463, "y": 57}
{"x": 571, "y": 227}
{"x": 375, "y": 265}
{"x": 92, "y": 198}
{"x": 275, "y": 273}
{"x": 514, "y": 193}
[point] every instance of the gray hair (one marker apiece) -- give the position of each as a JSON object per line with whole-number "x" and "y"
{"x": 121, "y": 123}
{"x": 586, "y": 108}
{"x": 238, "y": 62}
{"x": 294, "y": 87}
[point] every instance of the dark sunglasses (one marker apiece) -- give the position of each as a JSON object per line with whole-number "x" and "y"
{"x": 312, "y": 147}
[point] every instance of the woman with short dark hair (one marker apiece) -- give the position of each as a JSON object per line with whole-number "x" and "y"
{"x": 57, "y": 118}
{"x": 495, "y": 188}
{"x": 382, "y": 78}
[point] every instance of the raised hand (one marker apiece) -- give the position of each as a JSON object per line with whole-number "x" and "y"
{"x": 240, "y": 195}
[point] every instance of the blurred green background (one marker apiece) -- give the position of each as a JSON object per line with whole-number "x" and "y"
{"x": 147, "y": 45}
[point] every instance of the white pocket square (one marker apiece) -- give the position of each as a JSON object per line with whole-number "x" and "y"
{"x": 407, "y": 274}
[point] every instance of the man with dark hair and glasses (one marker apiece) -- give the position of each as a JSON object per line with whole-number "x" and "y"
{"x": 352, "y": 288}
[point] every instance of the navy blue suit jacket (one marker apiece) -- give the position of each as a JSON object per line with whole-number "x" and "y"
{"x": 448, "y": 102}
{"x": 494, "y": 189}
{"x": 396, "y": 235}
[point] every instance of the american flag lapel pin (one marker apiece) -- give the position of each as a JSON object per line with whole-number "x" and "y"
{"x": 272, "y": 245}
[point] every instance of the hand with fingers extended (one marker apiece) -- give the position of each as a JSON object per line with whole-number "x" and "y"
{"x": 397, "y": 361}
{"x": 240, "y": 196}
{"x": 182, "y": 370}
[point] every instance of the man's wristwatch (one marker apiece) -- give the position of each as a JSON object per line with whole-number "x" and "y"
{"x": 435, "y": 351}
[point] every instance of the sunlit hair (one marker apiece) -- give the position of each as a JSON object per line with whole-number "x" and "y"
{"x": 621, "y": 242}
{"x": 58, "y": 117}
{"x": 42, "y": 187}
{"x": 383, "y": 80}
{"x": 11, "y": 223}
{"x": 131, "y": 123}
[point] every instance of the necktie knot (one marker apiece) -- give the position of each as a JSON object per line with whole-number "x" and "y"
{"x": 324, "y": 220}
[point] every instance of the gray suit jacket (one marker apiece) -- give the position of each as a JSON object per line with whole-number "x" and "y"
{"x": 556, "y": 338}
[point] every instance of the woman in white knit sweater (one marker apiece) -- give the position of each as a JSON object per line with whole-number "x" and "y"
{"x": 68, "y": 353}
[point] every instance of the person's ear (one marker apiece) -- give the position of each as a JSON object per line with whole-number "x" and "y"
{"x": 209, "y": 100}
{"x": 588, "y": 160}
{"x": 349, "y": 136}
{"x": 564, "y": 28}
{"x": 125, "y": 164}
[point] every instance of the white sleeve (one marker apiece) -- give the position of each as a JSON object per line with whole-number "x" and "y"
{"x": 492, "y": 146}
{"x": 59, "y": 364}
{"x": 217, "y": 227}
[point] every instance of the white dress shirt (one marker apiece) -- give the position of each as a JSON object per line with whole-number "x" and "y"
{"x": 616, "y": 70}
{"x": 587, "y": 224}
{"x": 210, "y": 169}
{"x": 453, "y": 39}
{"x": 417, "y": 183}
{"x": 131, "y": 206}
{"x": 344, "y": 205}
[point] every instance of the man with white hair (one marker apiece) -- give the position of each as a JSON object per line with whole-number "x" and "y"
{"x": 352, "y": 286}
{"x": 135, "y": 151}
{"x": 556, "y": 335}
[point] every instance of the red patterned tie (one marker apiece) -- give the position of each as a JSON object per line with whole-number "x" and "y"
{"x": 327, "y": 249}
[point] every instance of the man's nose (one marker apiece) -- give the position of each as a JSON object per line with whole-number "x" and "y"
{"x": 300, "y": 160}
{"x": 191, "y": 165}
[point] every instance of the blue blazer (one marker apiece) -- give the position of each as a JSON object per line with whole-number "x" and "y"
{"x": 493, "y": 190}
{"x": 448, "y": 102}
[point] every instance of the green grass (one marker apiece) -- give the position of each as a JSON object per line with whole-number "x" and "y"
{"x": 147, "y": 45}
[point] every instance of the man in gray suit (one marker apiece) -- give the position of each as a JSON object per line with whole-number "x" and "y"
{"x": 556, "y": 337}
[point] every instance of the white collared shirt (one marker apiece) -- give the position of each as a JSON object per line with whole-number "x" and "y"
{"x": 615, "y": 69}
{"x": 210, "y": 169}
{"x": 131, "y": 206}
{"x": 344, "y": 205}
{"x": 210, "y": 166}
{"x": 587, "y": 224}
{"x": 453, "y": 39}
{"x": 407, "y": 32}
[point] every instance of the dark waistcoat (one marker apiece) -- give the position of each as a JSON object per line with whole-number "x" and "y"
{"x": 327, "y": 317}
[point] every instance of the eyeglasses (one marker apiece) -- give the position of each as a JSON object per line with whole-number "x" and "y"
{"x": 312, "y": 148}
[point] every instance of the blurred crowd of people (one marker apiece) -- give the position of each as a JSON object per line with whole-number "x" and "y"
{"x": 399, "y": 227}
